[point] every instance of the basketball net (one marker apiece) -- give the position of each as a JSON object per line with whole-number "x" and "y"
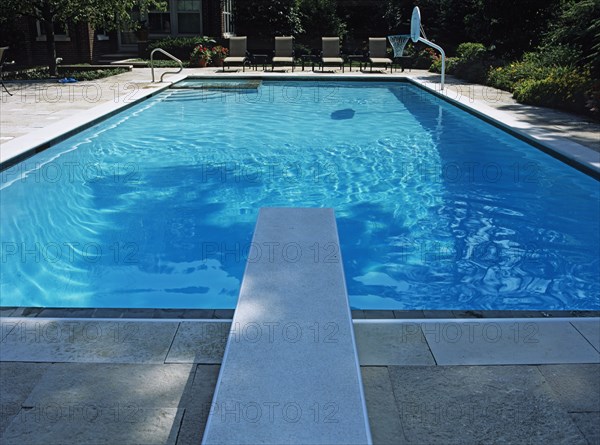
{"x": 398, "y": 43}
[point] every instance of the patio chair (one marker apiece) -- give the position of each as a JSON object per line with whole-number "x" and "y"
{"x": 238, "y": 55}
{"x": 378, "y": 53}
{"x": 330, "y": 55}
{"x": 284, "y": 52}
{"x": 3, "y": 63}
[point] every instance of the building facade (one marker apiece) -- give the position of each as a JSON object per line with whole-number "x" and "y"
{"x": 82, "y": 44}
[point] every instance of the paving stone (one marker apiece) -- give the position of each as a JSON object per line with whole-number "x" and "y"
{"x": 197, "y": 403}
{"x": 402, "y": 315}
{"x": 102, "y": 404}
{"x": 589, "y": 425}
{"x": 199, "y": 313}
{"x": 138, "y": 313}
{"x": 199, "y": 342}
{"x": 107, "y": 385}
{"x": 384, "y": 419}
{"x": 122, "y": 425}
{"x": 574, "y": 385}
{"x": 7, "y": 311}
{"x": 17, "y": 380}
{"x": 27, "y": 311}
{"x": 96, "y": 341}
{"x": 376, "y": 314}
{"x": 382, "y": 344}
{"x": 590, "y": 329}
{"x": 224, "y": 314}
{"x": 438, "y": 314}
{"x": 66, "y": 312}
{"x": 468, "y": 314}
{"x": 108, "y": 313}
{"x": 499, "y": 342}
{"x": 479, "y": 404}
{"x": 168, "y": 313}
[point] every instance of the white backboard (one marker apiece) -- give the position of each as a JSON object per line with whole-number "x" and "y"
{"x": 415, "y": 24}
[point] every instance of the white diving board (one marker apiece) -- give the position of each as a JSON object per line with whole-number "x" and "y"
{"x": 290, "y": 373}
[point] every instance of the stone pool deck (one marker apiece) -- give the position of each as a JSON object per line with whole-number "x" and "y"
{"x": 126, "y": 381}
{"x": 73, "y": 381}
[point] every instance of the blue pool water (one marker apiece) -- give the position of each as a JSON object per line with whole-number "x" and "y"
{"x": 155, "y": 207}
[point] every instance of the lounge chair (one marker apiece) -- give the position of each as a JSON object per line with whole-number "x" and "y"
{"x": 378, "y": 53}
{"x": 238, "y": 55}
{"x": 3, "y": 62}
{"x": 284, "y": 52}
{"x": 331, "y": 53}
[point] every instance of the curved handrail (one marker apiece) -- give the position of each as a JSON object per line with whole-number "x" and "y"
{"x": 169, "y": 56}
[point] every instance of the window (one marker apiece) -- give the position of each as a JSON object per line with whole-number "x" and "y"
{"x": 102, "y": 34}
{"x": 61, "y": 33}
{"x": 189, "y": 20}
{"x": 228, "y": 30}
{"x": 159, "y": 22}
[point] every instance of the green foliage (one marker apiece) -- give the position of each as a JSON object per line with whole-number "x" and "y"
{"x": 180, "y": 47}
{"x": 578, "y": 26}
{"x": 507, "y": 77}
{"x": 319, "y": 18}
{"x": 472, "y": 63}
{"x": 511, "y": 27}
{"x": 563, "y": 87}
{"x": 471, "y": 52}
{"x": 108, "y": 14}
{"x": 424, "y": 58}
{"x": 93, "y": 74}
{"x": 43, "y": 73}
{"x": 267, "y": 18}
{"x": 436, "y": 66}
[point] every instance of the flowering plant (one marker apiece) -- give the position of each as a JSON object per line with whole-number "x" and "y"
{"x": 219, "y": 52}
{"x": 201, "y": 53}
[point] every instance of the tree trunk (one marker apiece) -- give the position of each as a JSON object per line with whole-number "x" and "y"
{"x": 48, "y": 25}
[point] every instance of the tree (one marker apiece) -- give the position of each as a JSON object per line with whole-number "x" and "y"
{"x": 320, "y": 18}
{"x": 267, "y": 18}
{"x": 578, "y": 25}
{"x": 108, "y": 14}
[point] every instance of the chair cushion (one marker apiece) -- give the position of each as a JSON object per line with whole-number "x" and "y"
{"x": 283, "y": 60}
{"x": 234, "y": 59}
{"x": 380, "y": 60}
{"x": 332, "y": 60}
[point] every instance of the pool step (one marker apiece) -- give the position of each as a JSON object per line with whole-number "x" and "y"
{"x": 290, "y": 373}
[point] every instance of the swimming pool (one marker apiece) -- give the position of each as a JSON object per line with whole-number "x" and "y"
{"x": 436, "y": 209}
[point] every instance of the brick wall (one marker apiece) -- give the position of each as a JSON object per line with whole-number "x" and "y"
{"x": 83, "y": 46}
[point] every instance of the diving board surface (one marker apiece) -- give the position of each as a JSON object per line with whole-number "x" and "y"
{"x": 290, "y": 373}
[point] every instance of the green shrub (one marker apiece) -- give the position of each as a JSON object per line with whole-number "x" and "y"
{"x": 473, "y": 62}
{"x": 507, "y": 77}
{"x": 471, "y": 52}
{"x": 564, "y": 87}
{"x": 424, "y": 59}
{"x": 180, "y": 47}
{"x": 436, "y": 66}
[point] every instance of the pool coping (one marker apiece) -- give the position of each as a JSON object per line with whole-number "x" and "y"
{"x": 227, "y": 314}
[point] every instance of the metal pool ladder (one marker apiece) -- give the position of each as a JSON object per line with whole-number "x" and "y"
{"x": 169, "y": 56}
